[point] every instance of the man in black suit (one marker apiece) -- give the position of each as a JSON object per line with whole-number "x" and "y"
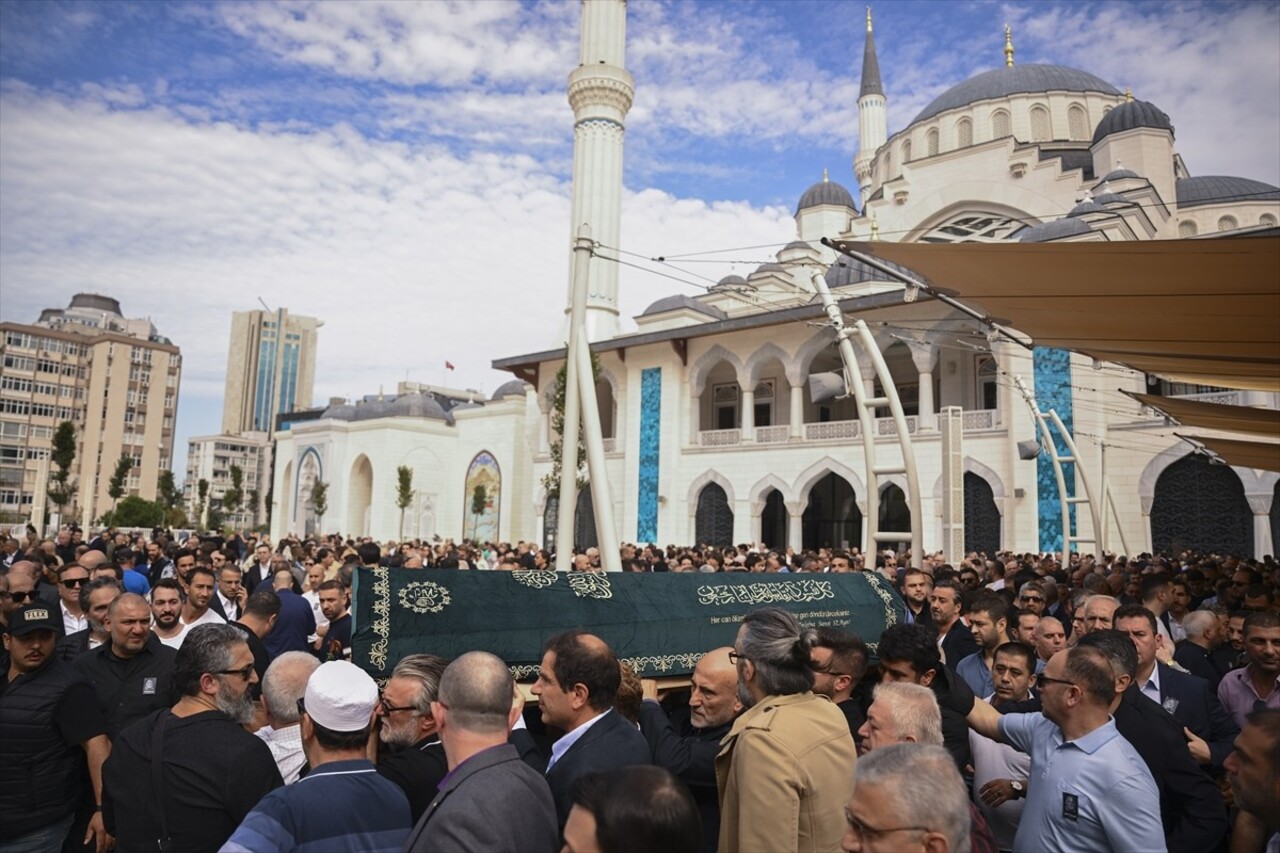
{"x": 576, "y": 685}
{"x": 1196, "y": 652}
{"x": 1184, "y": 696}
{"x": 491, "y": 800}
{"x": 946, "y": 606}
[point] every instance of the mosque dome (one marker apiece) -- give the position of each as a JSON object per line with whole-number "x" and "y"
{"x": 796, "y": 244}
{"x": 1109, "y": 198}
{"x": 766, "y": 268}
{"x": 1222, "y": 189}
{"x": 416, "y": 406}
{"x": 826, "y": 191}
{"x": 513, "y": 388}
{"x": 730, "y": 282}
{"x": 370, "y": 409}
{"x": 1089, "y": 205}
{"x": 1056, "y": 230}
{"x": 1120, "y": 174}
{"x": 1130, "y": 115}
{"x": 340, "y": 412}
{"x": 678, "y": 301}
{"x": 846, "y": 271}
{"x": 1014, "y": 80}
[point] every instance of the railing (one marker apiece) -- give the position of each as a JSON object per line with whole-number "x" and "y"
{"x": 719, "y": 437}
{"x": 770, "y": 434}
{"x": 1221, "y": 398}
{"x": 980, "y": 419}
{"x": 886, "y": 426}
{"x": 832, "y": 429}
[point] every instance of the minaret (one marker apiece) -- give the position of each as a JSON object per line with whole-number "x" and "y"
{"x": 872, "y": 124}
{"x": 600, "y": 92}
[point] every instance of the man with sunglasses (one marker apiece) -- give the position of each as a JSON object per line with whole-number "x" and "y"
{"x": 70, "y": 578}
{"x": 211, "y": 771}
{"x": 416, "y": 761}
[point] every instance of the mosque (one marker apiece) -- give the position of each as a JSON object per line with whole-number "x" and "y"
{"x": 710, "y": 433}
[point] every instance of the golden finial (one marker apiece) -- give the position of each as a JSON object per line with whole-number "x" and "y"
{"x": 868, "y": 19}
{"x": 1008, "y": 46}
{"x": 1128, "y": 94}
{"x": 825, "y": 177}
{"x": 875, "y": 228}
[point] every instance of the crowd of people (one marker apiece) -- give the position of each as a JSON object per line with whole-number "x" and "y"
{"x": 198, "y": 695}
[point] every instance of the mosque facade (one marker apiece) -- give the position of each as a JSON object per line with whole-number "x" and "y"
{"x": 710, "y": 434}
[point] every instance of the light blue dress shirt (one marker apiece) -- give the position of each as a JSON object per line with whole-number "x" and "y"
{"x": 1089, "y": 795}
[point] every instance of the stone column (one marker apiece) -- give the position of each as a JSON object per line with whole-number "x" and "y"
{"x": 925, "y": 357}
{"x": 795, "y": 520}
{"x": 694, "y": 413}
{"x": 797, "y": 411}
{"x": 748, "y": 414}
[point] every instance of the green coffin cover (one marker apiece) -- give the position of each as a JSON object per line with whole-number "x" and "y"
{"x": 659, "y": 623}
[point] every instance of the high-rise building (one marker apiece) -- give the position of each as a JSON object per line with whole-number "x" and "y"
{"x": 115, "y": 378}
{"x": 210, "y": 458}
{"x": 271, "y": 369}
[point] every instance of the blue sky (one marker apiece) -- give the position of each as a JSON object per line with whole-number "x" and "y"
{"x": 400, "y": 170}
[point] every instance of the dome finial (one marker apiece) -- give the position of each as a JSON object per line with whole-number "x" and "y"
{"x": 868, "y": 19}
{"x": 1128, "y": 94}
{"x": 875, "y": 228}
{"x": 1008, "y": 46}
{"x": 825, "y": 177}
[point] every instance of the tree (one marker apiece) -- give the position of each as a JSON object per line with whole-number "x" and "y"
{"x": 251, "y": 505}
{"x": 168, "y": 491}
{"x": 202, "y": 499}
{"x": 231, "y": 497}
{"x": 135, "y": 511}
{"x": 478, "y": 498}
{"x": 61, "y": 489}
{"x": 320, "y": 501}
{"x": 404, "y": 492}
{"x": 115, "y": 486}
{"x": 551, "y": 482}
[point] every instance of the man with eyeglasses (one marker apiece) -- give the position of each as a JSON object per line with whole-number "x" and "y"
{"x": 70, "y": 577}
{"x": 1089, "y": 789}
{"x": 416, "y": 761}
{"x": 839, "y": 660}
{"x": 907, "y": 797}
{"x": 1031, "y": 597}
{"x": 211, "y": 772}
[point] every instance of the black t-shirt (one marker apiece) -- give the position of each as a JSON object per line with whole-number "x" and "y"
{"x": 418, "y": 770}
{"x": 129, "y": 689}
{"x": 336, "y": 643}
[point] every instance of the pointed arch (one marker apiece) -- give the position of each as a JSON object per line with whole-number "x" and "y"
{"x": 1151, "y": 473}
{"x": 824, "y": 466}
{"x": 973, "y": 466}
{"x": 286, "y": 502}
{"x": 706, "y": 362}
{"x": 760, "y": 491}
{"x": 359, "y": 496}
{"x": 711, "y": 475}
{"x": 811, "y": 349}
{"x": 762, "y": 356}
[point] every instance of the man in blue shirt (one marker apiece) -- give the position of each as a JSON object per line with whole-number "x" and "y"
{"x": 1089, "y": 790}
{"x": 342, "y": 804}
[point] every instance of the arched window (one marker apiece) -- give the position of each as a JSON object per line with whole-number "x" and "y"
{"x": 931, "y": 142}
{"x": 1040, "y": 128}
{"x": 1077, "y": 122}
{"x": 888, "y": 164}
{"x": 1000, "y": 124}
{"x": 1268, "y": 220}
{"x": 964, "y": 133}
{"x": 1228, "y": 223}
{"x": 906, "y": 151}
{"x": 1187, "y": 228}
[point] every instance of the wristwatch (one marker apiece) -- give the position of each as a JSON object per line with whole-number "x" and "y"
{"x": 1019, "y": 789}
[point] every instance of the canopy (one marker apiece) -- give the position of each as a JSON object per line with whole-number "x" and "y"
{"x": 1201, "y": 311}
{"x": 1241, "y": 454}
{"x": 1197, "y": 413}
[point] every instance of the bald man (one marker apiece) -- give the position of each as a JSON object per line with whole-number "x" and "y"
{"x": 687, "y": 742}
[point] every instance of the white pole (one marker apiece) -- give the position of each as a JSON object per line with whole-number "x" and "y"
{"x": 601, "y": 497}
{"x": 572, "y": 401}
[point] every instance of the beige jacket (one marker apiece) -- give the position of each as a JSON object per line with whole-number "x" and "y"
{"x": 784, "y": 774}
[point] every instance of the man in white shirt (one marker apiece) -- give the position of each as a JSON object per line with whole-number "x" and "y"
{"x": 283, "y": 684}
{"x": 70, "y": 578}
{"x": 315, "y": 577}
{"x": 200, "y": 591}
{"x": 1000, "y": 772}
{"x": 166, "y": 612}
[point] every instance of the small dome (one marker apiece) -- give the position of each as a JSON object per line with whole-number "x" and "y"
{"x": 1109, "y": 198}
{"x": 1047, "y": 232}
{"x": 731, "y": 282}
{"x": 513, "y": 388}
{"x": 846, "y": 271}
{"x": 1120, "y": 175}
{"x": 825, "y": 192}
{"x": 1130, "y": 115}
{"x": 416, "y": 406}
{"x": 1014, "y": 80}
{"x": 797, "y": 244}
{"x": 678, "y": 301}
{"x": 340, "y": 412}
{"x": 1222, "y": 189}
{"x": 765, "y": 269}
{"x": 1089, "y": 205}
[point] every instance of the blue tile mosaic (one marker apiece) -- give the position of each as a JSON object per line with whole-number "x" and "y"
{"x": 650, "y": 435}
{"x": 1053, "y": 391}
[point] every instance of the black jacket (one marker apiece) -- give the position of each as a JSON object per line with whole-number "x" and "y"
{"x": 611, "y": 743}
{"x": 1193, "y": 705}
{"x": 129, "y": 688}
{"x": 690, "y": 755}
{"x": 955, "y": 701}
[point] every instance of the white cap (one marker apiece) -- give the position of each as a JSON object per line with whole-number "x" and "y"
{"x": 340, "y": 696}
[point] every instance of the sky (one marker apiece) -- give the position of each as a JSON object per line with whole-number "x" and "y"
{"x": 401, "y": 170}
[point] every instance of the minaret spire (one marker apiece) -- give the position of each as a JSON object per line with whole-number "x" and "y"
{"x": 600, "y": 92}
{"x": 872, "y": 122}
{"x": 1008, "y": 46}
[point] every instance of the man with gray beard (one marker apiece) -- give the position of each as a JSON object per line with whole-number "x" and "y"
{"x": 416, "y": 761}
{"x": 210, "y": 772}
